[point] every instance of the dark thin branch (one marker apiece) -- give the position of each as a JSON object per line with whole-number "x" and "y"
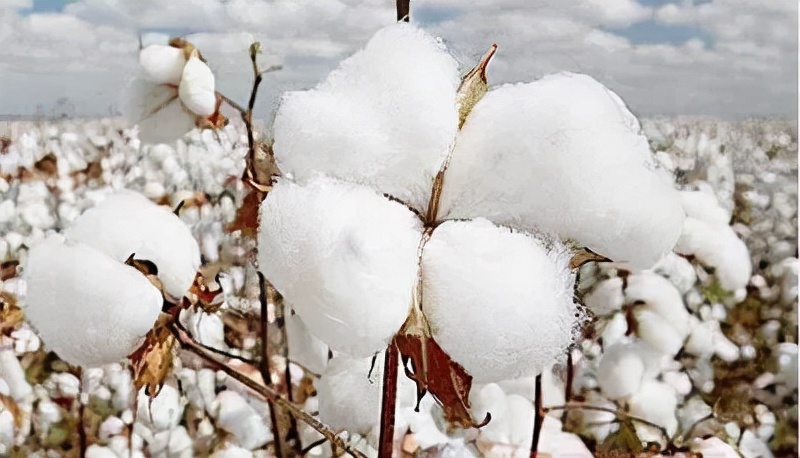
{"x": 311, "y": 446}
{"x": 263, "y": 366}
{"x": 403, "y": 10}
{"x": 266, "y": 392}
{"x": 82, "y": 441}
{"x": 569, "y": 382}
{"x": 618, "y": 413}
{"x": 388, "y": 402}
{"x": 538, "y": 416}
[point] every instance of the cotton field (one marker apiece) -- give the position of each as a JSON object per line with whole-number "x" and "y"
{"x": 505, "y": 276}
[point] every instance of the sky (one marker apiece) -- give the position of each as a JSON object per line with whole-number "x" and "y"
{"x": 731, "y": 59}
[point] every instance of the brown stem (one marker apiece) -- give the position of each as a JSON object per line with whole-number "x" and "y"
{"x": 267, "y": 393}
{"x": 538, "y": 416}
{"x": 618, "y": 413}
{"x": 403, "y": 10}
{"x": 263, "y": 366}
{"x": 568, "y": 384}
{"x": 388, "y": 402}
{"x": 82, "y": 442}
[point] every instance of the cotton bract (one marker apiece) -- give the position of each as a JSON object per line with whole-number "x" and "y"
{"x": 87, "y": 307}
{"x": 128, "y": 223}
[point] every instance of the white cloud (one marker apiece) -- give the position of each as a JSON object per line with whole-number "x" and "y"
{"x": 748, "y": 67}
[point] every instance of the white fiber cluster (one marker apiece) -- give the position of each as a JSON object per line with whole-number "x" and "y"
{"x": 126, "y": 223}
{"x": 196, "y": 88}
{"x": 385, "y": 118}
{"x": 499, "y": 303}
{"x": 707, "y": 236}
{"x": 87, "y": 307}
{"x": 563, "y": 155}
{"x": 662, "y": 319}
{"x": 162, "y": 64}
{"x": 344, "y": 256}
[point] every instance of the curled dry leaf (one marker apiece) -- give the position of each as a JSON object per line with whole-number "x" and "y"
{"x": 48, "y": 165}
{"x": 10, "y": 314}
{"x": 8, "y": 269}
{"x": 147, "y": 268}
{"x": 247, "y": 215}
{"x": 203, "y": 295}
{"x": 10, "y": 405}
{"x": 427, "y": 364}
{"x": 583, "y": 256}
{"x": 473, "y": 87}
{"x": 153, "y": 360}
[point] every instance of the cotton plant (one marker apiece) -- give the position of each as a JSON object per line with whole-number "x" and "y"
{"x": 418, "y": 205}
{"x": 174, "y": 93}
{"x": 85, "y": 296}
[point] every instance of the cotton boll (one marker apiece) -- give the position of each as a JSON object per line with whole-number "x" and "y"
{"x": 385, "y": 118}
{"x": 497, "y": 301}
{"x": 162, "y": 413}
{"x": 237, "y": 417}
{"x": 701, "y": 339}
{"x": 650, "y": 327}
{"x": 678, "y": 270}
{"x": 158, "y": 112}
{"x": 620, "y": 372}
{"x": 196, "y": 88}
{"x": 718, "y": 247}
{"x": 661, "y": 297}
{"x": 606, "y": 298}
{"x": 656, "y": 403}
{"x": 713, "y": 447}
{"x": 304, "y": 348}
{"x": 162, "y": 64}
{"x": 88, "y": 308}
{"x": 344, "y": 257}
{"x": 562, "y": 155}
{"x": 127, "y": 222}
{"x": 704, "y": 206}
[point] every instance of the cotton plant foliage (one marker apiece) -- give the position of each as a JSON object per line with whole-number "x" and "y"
{"x": 348, "y": 240}
{"x": 86, "y": 306}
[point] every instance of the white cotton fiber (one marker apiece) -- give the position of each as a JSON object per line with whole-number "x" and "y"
{"x": 127, "y": 222}
{"x": 620, "y": 371}
{"x": 660, "y": 297}
{"x": 563, "y": 155}
{"x": 344, "y": 257}
{"x": 606, "y": 297}
{"x": 655, "y": 402}
{"x": 162, "y": 64}
{"x": 249, "y": 429}
{"x": 498, "y": 302}
{"x": 87, "y": 307}
{"x": 197, "y": 88}
{"x": 158, "y": 111}
{"x": 305, "y": 349}
{"x": 385, "y": 118}
{"x": 720, "y": 248}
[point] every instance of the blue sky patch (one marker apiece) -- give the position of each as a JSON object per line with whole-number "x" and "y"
{"x": 652, "y": 32}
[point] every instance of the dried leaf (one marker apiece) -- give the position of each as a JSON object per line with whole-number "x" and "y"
{"x": 247, "y": 215}
{"x": 583, "y": 256}
{"x": 260, "y": 167}
{"x": 623, "y": 441}
{"x": 47, "y": 165}
{"x": 427, "y": 364}
{"x": 200, "y": 294}
{"x": 153, "y": 360}
{"x": 11, "y": 406}
{"x": 473, "y": 87}
{"x": 11, "y": 316}
{"x": 147, "y": 268}
{"x": 8, "y": 269}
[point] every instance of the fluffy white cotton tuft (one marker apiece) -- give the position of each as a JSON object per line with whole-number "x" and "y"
{"x": 606, "y": 297}
{"x": 663, "y": 305}
{"x": 620, "y": 371}
{"x": 162, "y": 64}
{"x": 127, "y": 222}
{"x": 385, "y": 118}
{"x": 344, "y": 257}
{"x": 87, "y": 307}
{"x": 655, "y": 402}
{"x": 564, "y": 155}
{"x": 158, "y": 111}
{"x": 304, "y": 348}
{"x": 197, "y": 88}
{"x": 498, "y": 302}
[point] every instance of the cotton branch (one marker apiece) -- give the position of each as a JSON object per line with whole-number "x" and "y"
{"x": 267, "y": 393}
{"x": 403, "y": 10}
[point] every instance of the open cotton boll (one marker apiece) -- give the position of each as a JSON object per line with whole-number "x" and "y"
{"x": 678, "y": 270}
{"x": 350, "y": 397}
{"x": 158, "y": 111}
{"x": 162, "y": 64}
{"x": 661, "y": 297}
{"x": 304, "y": 348}
{"x": 239, "y": 418}
{"x": 620, "y": 371}
{"x": 656, "y": 403}
{"x": 561, "y": 155}
{"x": 344, "y": 257}
{"x": 705, "y": 207}
{"x": 498, "y": 302}
{"x": 127, "y": 222}
{"x": 606, "y": 297}
{"x": 196, "y": 89}
{"x": 88, "y": 308}
{"x": 651, "y": 328}
{"x": 718, "y": 247}
{"x": 385, "y": 118}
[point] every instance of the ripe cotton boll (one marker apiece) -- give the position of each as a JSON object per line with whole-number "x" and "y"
{"x": 127, "y": 222}
{"x": 606, "y": 298}
{"x": 659, "y": 296}
{"x": 162, "y": 64}
{"x": 498, "y": 302}
{"x": 718, "y": 247}
{"x": 562, "y": 155}
{"x": 344, "y": 257}
{"x": 87, "y": 307}
{"x": 620, "y": 372}
{"x": 385, "y": 118}
{"x": 196, "y": 89}
{"x": 158, "y": 111}
{"x": 656, "y": 403}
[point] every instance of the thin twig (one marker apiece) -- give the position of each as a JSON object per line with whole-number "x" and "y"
{"x": 81, "y": 420}
{"x": 263, "y": 365}
{"x": 568, "y": 383}
{"x": 403, "y": 10}
{"x": 618, "y": 413}
{"x": 311, "y": 446}
{"x": 538, "y": 418}
{"x": 388, "y": 402}
{"x": 267, "y": 393}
